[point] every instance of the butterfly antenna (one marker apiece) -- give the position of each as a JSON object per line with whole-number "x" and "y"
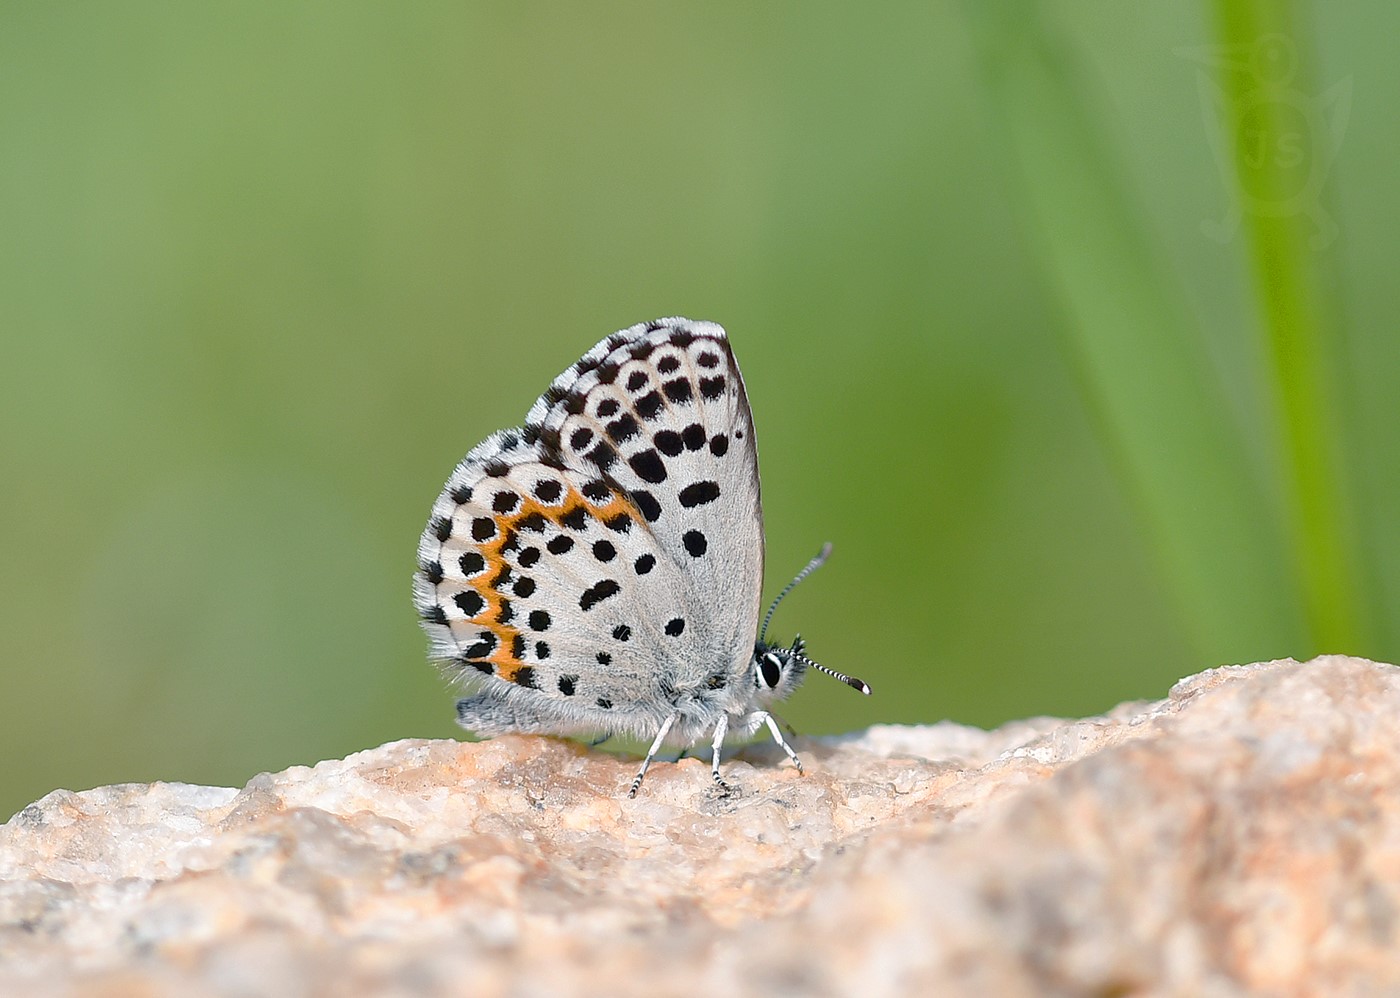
{"x": 812, "y": 566}
{"x": 851, "y": 681}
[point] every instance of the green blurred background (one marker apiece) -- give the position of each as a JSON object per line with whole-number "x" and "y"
{"x": 268, "y": 271}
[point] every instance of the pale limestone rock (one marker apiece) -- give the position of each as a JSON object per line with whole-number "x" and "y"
{"x": 1242, "y": 836}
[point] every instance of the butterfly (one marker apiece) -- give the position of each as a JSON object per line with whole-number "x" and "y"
{"x": 599, "y": 569}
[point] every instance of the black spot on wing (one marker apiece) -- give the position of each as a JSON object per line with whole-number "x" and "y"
{"x": 695, "y": 543}
{"x": 585, "y": 364}
{"x": 648, "y": 466}
{"x": 598, "y": 592}
{"x": 668, "y": 442}
{"x": 603, "y": 455}
{"x": 469, "y": 602}
{"x": 485, "y": 645}
{"x": 549, "y": 441}
{"x": 646, "y": 502}
{"x": 505, "y": 502}
{"x": 580, "y": 438}
{"x": 678, "y": 390}
{"x": 623, "y": 428}
{"x": 699, "y": 493}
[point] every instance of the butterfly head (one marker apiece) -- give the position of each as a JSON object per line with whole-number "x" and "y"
{"x": 778, "y": 671}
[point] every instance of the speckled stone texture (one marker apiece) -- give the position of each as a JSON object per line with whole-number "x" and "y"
{"x": 1240, "y": 837}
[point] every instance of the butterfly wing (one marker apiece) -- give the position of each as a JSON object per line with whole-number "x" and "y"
{"x": 600, "y": 569}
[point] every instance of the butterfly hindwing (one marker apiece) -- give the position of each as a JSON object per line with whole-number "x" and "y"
{"x": 603, "y": 563}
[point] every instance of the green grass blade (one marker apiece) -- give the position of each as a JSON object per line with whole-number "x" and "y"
{"x": 1158, "y": 402}
{"x": 1281, "y": 139}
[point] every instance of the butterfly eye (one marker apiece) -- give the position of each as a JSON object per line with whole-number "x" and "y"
{"x": 770, "y": 668}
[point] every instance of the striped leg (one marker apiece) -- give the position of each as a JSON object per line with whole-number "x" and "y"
{"x": 721, "y": 729}
{"x": 778, "y": 737}
{"x": 651, "y": 753}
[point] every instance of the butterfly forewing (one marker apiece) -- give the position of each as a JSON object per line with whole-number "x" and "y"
{"x": 601, "y": 567}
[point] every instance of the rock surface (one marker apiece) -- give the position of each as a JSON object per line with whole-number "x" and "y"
{"x": 1241, "y": 836}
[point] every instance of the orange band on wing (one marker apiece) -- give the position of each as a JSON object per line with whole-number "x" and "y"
{"x": 505, "y": 657}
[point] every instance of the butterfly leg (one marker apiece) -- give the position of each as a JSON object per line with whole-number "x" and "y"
{"x": 721, "y": 729}
{"x": 651, "y": 753}
{"x": 778, "y": 737}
